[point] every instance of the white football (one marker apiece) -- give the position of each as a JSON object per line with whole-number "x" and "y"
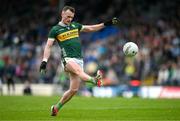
{"x": 130, "y": 49}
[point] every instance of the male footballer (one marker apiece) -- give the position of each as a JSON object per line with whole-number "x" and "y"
{"x": 66, "y": 33}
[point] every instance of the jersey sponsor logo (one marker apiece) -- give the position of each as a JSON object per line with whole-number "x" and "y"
{"x": 68, "y": 35}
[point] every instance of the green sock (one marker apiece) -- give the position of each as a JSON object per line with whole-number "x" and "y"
{"x": 59, "y": 105}
{"x": 91, "y": 80}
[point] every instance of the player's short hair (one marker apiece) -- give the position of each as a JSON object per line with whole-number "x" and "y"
{"x": 65, "y": 8}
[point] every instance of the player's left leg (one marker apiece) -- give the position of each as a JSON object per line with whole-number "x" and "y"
{"x": 74, "y": 86}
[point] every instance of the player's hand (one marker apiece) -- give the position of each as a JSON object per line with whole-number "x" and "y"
{"x": 114, "y": 21}
{"x": 43, "y": 67}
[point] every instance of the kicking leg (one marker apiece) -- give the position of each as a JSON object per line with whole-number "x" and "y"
{"x": 73, "y": 67}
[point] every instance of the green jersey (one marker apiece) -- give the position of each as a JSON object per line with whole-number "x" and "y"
{"x": 68, "y": 39}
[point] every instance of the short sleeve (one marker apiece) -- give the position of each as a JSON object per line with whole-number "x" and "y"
{"x": 52, "y": 33}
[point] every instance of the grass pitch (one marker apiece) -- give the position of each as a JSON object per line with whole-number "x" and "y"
{"x": 34, "y": 108}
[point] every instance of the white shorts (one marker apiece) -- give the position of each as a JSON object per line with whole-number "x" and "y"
{"x": 80, "y": 62}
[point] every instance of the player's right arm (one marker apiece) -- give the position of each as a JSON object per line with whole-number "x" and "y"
{"x": 47, "y": 50}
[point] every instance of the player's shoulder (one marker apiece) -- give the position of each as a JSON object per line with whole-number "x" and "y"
{"x": 75, "y": 24}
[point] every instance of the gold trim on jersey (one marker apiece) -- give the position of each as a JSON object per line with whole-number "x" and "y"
{"x": 68, "y": 35}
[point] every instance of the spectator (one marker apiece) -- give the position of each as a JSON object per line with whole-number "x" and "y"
{"x": 154, "y": 26}
{"x": 9, "y": 76}
{"x": 1, "y": 87}
{"x": 27, "y": 88}
{"x": 163, "y": 75}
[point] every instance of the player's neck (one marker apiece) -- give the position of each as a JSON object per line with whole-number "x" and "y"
{"x": 62, "y": 24}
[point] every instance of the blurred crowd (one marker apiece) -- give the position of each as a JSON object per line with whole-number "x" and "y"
{"x": 153, "y": 25}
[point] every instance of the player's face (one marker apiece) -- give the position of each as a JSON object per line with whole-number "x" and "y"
{"x": 67, "y": 16}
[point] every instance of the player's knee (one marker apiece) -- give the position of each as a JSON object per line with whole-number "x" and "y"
{"x": 78, "y": 71}
{"x": 73, "y": 91}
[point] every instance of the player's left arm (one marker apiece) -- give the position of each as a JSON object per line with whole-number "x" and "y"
{"x": 97, "y": 27}
{"x": 92, "y": 28}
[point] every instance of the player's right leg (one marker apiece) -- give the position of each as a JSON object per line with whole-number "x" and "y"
{"x": 73, "y": 67}
{"x": 74, "y": 86}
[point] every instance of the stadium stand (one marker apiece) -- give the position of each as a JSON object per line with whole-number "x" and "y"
{"x": 153, "y": 25}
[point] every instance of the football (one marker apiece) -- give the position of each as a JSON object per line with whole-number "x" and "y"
{"x": 130, "y": 49}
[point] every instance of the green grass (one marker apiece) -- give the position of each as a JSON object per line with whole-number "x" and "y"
{"x": 34, "y": 108}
